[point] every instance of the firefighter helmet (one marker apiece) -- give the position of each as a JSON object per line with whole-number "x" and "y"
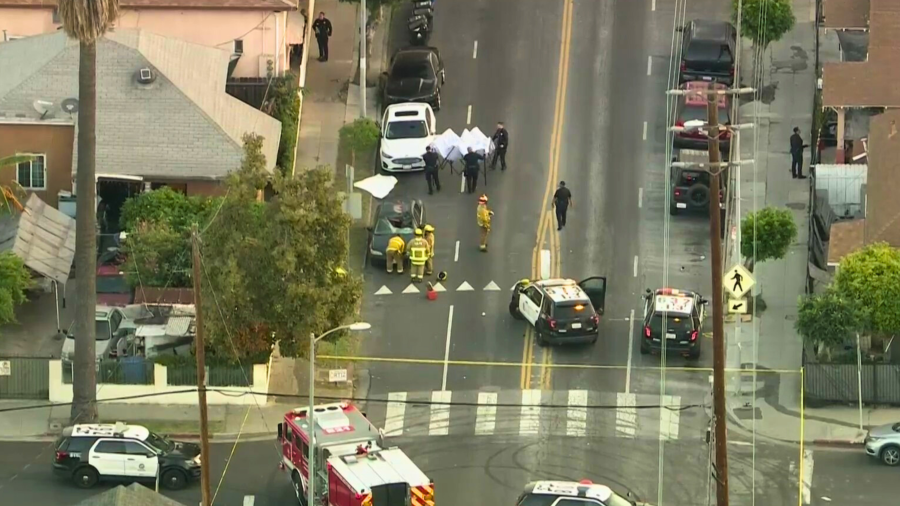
{"x": 418, "y": 231}
{"x": 429, "y": 228}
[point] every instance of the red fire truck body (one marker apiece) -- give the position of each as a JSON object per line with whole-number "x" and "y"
{"x": 352, "y": 466}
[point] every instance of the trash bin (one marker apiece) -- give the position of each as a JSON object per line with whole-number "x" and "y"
{"x": 133, "y": 370}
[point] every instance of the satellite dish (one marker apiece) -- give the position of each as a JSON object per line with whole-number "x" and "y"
{"x": 70, "y": 105}
{"x": 42, "y": 107}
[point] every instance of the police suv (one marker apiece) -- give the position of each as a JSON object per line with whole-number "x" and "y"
{"x": 570, "y": 493}
{"x": 673, "y": 319}
{"x": 87, "y": 454}
{"x": 560, "y": 310}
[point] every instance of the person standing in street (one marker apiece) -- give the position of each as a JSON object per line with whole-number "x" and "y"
{"x": 797, "y": 148}
{"x": 322, "y": 29}
{"x": 484, "y": 221}
{"x": 472, "y": 166}
{"x": 429, "y": 238}
{"x": 394, "y": 254}
{"x": 501, "y": 142}
{"x": 431, "y": 160}
{"x": 561, "y": 201}
{"x": 418, "y": 254}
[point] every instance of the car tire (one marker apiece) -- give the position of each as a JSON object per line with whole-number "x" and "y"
{"x": 694, "y": 354}
{"x": 85, "y": 477}
{"x": 173, "y": 479}
{"x": 890, "y": 455}
{"x": 673, "y": 211}
{"x": 514, "y": 311}
{"x": 645, "y": 348}
{"x": 298, "y": 488}
{"x": 594, "y": 339}
{"x": 698, "y": 195}
{"x": 437, "y": 102}
{"x": 540, "y": 338}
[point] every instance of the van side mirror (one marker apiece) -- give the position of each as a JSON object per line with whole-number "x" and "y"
{"x": 704, "y": 301}
{"x": 280, "y": 430}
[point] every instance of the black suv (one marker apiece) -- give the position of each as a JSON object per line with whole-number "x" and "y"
{"x": 560, "y": 310}
{"x": 87, "y": 454}
{"x": 416, "y": 75}
{"x": 691, "y": 185}
{"x": 707, "y": 51}
{"x": 570, "y": 493}
{"x": 678, "y": 313}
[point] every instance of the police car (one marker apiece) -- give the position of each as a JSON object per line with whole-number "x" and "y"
{"x": 560, "y": 310}
{"x": 674, "y": 317}
{"x": 87, "y": 454}
{"x": 570, "y": 493}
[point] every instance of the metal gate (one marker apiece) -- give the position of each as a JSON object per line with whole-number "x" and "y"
{"x": 24, "y": 378}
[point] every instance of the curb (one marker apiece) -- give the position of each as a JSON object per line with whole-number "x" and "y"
{"x": 839, "y": 443}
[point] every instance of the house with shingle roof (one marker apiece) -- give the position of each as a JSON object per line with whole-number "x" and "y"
{"x": 163, "y": 117}
{"x": 255, "y": 33}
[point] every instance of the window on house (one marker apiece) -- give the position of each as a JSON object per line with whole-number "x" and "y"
{"x": 56, "y": 15}
{"x": 238, "y": 46}
{"x": 32, "y": 175}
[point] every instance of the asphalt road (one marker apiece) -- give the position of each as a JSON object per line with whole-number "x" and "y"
{"x": 852, "y": 477}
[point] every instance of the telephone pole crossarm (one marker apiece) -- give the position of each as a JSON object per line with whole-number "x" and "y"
{"x": 729, "y": 91}
{"x": 721, "y": 165}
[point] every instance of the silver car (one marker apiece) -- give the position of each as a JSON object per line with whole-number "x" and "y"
{"x": 883, "y": 443}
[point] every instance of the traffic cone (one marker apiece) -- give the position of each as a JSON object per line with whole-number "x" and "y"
{"x": 430, "y": 294}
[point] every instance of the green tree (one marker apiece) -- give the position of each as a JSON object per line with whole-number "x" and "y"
{"x": 14, "y": 280}
{"x": 274, "y": 271}
{"x": 763, "y": 21}
{"x": 86, "y": 21}
{"x": 829, "y": 319}
{"x": 286, "y": 109}
{"x": 871, "y": 277}
{"x": 361, "y": 137}
{"x": 767, "y": 235}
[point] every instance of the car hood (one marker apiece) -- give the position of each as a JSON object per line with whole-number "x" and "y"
{"x": 186, "y": 450}
{"x": 380, "y": 241}
{"x": 68, "y": 348}
{"x": 406, "y": 147}
{"x": 885, "y": 431}
{"x": 411, "y": 88}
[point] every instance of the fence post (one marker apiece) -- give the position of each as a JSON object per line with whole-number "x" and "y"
{"x": 160, "y": 376}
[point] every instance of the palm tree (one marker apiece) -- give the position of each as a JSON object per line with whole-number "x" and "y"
{"x": 86, "y": 21}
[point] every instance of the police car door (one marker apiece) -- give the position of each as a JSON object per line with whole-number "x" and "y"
{"x": 595, "y": 289}
{"x": 108, "y": 457}
{"x": 530, "y": 304}
{"x": 140, "y": 461}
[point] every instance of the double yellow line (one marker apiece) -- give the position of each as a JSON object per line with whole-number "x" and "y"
{"x": 546, "y": 233}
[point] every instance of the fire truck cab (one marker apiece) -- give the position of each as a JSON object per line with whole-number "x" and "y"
{"x": 352, "y": 466}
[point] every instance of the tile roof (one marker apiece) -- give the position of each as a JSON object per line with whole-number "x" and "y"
{"x": 843, "y": 14}
{"x": 872, "y": 83}
{"x": 845, "y": 238}
{"x": 882, "y": 204}
{"x": 182, "y": 126}
{"x": 255, "y": 5}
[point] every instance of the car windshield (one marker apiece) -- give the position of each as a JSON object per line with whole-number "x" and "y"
{"x": 572, "y": 311}
{"x": 412, "y": 70}
{"x": 410, "y": 129}
{"x": 708, "y": 51}
{"x": 675, "y": 323}
{"x": 690, "y": 177}
{"x": 401, "y": 224}
{"x": 158, "y": 443}
{"x": 112, "y": 284}
{"x": 101, "y": 328}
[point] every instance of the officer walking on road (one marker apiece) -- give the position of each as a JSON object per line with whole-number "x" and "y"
{"x": 561, "y": 201}
{"x": 797, "y": 147}
{"x": 484, "y": 221}
{"x": 472, "y": 166}
{"x": 322, "y": 28}
{"x": 418, "y": 254}
{"x": 429, "y": 238}
{"x": 501, "y": 142}
{"x": 431, "y": 160}
{"x": 394, "y": 254}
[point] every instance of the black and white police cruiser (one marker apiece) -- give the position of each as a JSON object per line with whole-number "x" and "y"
{"x": 570, "y": 493}
{"x": 561, "y": 311}
{"x": 89, "y": 453}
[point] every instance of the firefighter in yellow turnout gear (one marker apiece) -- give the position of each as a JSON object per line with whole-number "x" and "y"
{"x": 418, "y": 254}
{"x": 484, "y": 221}
{"x": 394, "y": 254}
{"x": 429, "y": 238}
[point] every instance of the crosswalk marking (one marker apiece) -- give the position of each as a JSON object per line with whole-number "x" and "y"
{"x": 396, "y": 409}
{"x": 437, "y": 287}
{"x": 576, "y": 419}
{"x": 249, "y": 500}
{"x": 411, "y": 289}
{"x": 626, "y": 415}
{"x": 531, "y": 412}
{"x": 384, "y": 290}
{"x": 492, "y": 287}
{"x": 440, "y": 413}
{"x": 465, "y": 287}
{"x": 669, "y": 415}
{"x": 486, "y": 416}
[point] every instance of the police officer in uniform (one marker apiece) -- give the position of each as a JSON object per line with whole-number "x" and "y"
{"x": 501, "y": 142}
{"x": 418, "y": 254}
{"x": 431, "y": 160}
{"x": 471, "y": 161}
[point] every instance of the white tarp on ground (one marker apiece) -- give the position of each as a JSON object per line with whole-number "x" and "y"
{"x": 379, "y": 186}
{"x": 452, "y": 147}
{"x": 42, "y": 237}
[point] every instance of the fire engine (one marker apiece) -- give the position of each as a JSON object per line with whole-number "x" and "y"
{"x": 352, "y": 465}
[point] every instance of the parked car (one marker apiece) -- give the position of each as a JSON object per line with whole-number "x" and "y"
{"x": 692, "y": 107}
{"x": 883, "y": 443}
{"x": 416, "y": 74}
{"x": 110, "y": 325}
{"x": 406, "y": 130}
{"x": 394, "y": 218}
{"x": 690, "y": 186}
{"x": 708, "y": 51}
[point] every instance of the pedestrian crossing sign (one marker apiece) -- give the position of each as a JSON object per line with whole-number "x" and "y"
{"x": 738, "y": 281}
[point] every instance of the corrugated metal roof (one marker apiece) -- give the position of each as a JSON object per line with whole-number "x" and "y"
{"x": 844, "y": 186}
{"x": 42, "y": 237}
{"x": 178, "y": 325}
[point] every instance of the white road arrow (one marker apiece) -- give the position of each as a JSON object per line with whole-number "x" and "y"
{"x": 465, "y": 287}
{"x": 492, "y": 287}
{"x": 384, "y": 291}
{"x": 438, "y": 287}
{"x": 411, "y": 289}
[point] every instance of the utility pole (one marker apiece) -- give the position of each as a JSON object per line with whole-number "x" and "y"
{"x": 307, "y": 39}
{"x": 362, "y": 59}
{"x": 201, "y": 372}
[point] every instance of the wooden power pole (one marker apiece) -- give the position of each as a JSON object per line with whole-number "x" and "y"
{"x": 201, "y": 372}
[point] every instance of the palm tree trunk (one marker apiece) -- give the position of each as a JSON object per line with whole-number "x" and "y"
{"x": 84, "y": 380}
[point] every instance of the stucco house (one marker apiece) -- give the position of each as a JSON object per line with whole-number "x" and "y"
{"x": 253, "y": 32}
{"x": 163, "y": 117}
